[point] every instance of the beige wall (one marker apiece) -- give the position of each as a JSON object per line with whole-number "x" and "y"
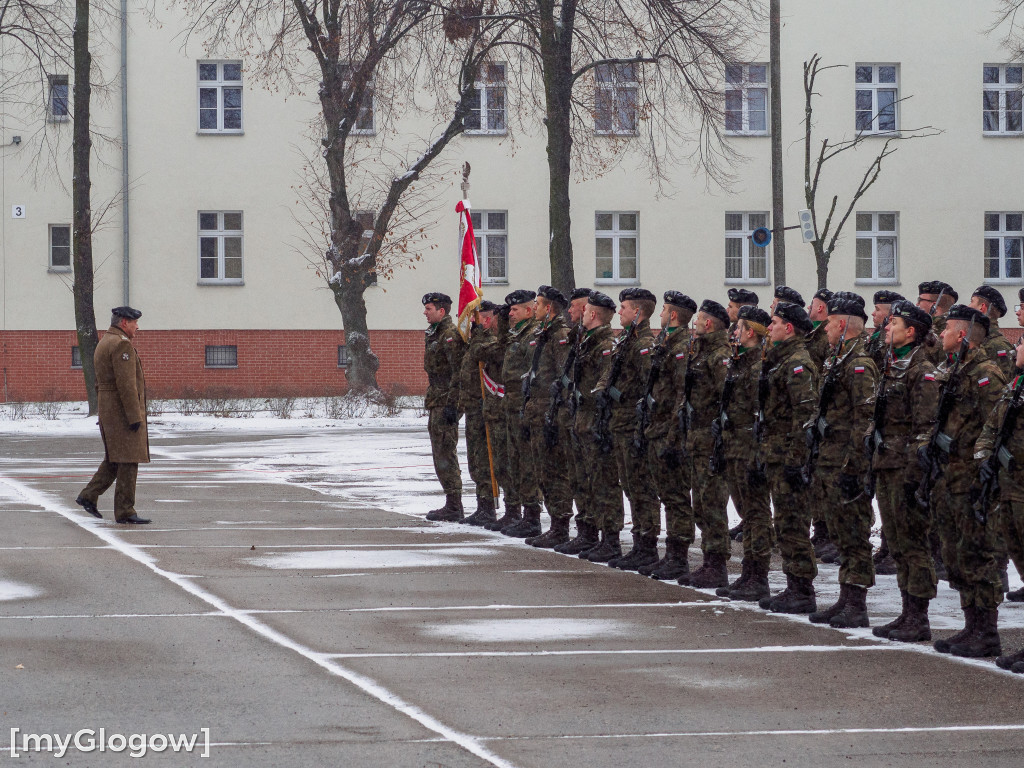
{"x": 940, "y": 186}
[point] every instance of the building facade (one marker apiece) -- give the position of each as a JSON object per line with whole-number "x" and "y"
{"x": 231, "y": 297}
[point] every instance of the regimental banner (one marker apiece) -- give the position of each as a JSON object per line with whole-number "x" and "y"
{"x": 469, "y": 274}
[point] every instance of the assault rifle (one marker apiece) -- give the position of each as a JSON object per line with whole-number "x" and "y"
{"x": 602, "y": 431}
{"x": 940, "y": 446}
{"x": 762, "y": 392}
{"x": 818, "y": 429}
{"x": 876, "y": 439}
{"x": 644, "y": 405}
{"x": 716, "y": 462}
{"x": 1001, "y": 455}
{"x": 559, "y": 386}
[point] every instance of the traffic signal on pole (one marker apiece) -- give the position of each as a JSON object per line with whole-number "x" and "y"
{"x": 761, "y": 237}
{"x": 806, "y": 226}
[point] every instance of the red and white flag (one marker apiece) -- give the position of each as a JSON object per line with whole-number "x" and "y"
{"x": 469, "y": 274}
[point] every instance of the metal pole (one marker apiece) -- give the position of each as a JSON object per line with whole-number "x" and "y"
{"x": 778, "y": 209}
{"x": 124, "y": 152}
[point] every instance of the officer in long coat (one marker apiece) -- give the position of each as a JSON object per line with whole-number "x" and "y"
{"x": 122, "y": 414}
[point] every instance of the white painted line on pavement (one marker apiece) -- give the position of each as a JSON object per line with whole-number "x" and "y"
{"x": 495, "y": 607}
{"x": 367, "y": 685}
{"x": 116, "y": 616}
{"x": 622, "y": 652}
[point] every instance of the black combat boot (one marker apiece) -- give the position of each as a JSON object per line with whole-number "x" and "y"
{"x": 739, "y": 582}
{"x": 797, "y": 597}
{"x": 984, "y": 640}
{"x": 557, "y": 534}
{"x": 885, "y": 629}
{"x": 614, "y": 562}
{"x": 755, "y": 587}
{"x": 528, "y": 526}
{"x": 829, "y": 553}
{"x": 855, "y": 612}
{"x": 675, "y": 563}
{"x": 915, "y": 626}
{"x": 606, "y": 550}
{"x": 645, "y": 552}
{"x": 484, "y": 512}
{"x": 1017, "y": 596}
{"x": 647, "y": 570}
{"x": 451, "y": 512}
{"x": 513, "y": 514}
{"x": 713, "y": 573}
{"x": 586, "y": 537}
{"x": 736, "y": 533}
{"x": 944, "y": 646}
{"x": 1011, "y": 659}
{"x": 824, "y": 616}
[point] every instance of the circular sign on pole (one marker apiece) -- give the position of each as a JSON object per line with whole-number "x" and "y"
{"x": 761, "y": 237}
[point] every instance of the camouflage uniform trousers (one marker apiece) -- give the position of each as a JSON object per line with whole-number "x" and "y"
{"x": 444, "y": 441}
{"x": 907, "y": 529}
{"x": 673, "y": 485}
{"x": 584, "y": 501}
{"x": 792, "y": 515}
{"x": 499, "y": 450}
{"x": 553, "y": 471}
{"x": 968, "y": 548}
{"x": 753, "y": 502}
{"x": 520, "y": 457}
{"x": 1011, "y": 519}
{"x": 603, "y": 492}
{"x": 710, "y": 502}
{"x": 638, "y": 485}
{"x": 476, "y": 452}
{"x": 575, "y": 469}
{"x": 849, "y": 524}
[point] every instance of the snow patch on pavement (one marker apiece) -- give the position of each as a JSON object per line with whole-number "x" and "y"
{"x": 526, "y": 630}
{"x": 12, "y": 590}
{"x": 364, "y": 559}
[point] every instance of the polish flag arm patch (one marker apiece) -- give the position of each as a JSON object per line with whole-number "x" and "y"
{"x": 645, "y": 351}
{"x": 858, "y": 369}
{"x": 1001, "y": 353}
{"x": 929, "y": 377}
{"x": 563, "y": 341}
{"x": 983, "y": 382}
{"x": 799, "y": 369}
{"x": 606, "y": 353}
{"x": 680, "y": 356}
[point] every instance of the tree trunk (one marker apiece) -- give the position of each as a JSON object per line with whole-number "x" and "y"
{"x": 361, "y": 373}
{"x": 85, "y": 313}
{"x": 778, "y": 209}
{"x": 556, "y": 54}
{"x": 821, "y": 266}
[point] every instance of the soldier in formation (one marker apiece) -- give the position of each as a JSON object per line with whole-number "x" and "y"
{"x": 784, "y": 411}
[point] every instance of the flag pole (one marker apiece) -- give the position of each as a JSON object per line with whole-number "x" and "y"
{"x": 480, "y": 365}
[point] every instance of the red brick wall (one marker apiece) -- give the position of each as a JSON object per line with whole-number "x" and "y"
{"x": 37, "y": 364}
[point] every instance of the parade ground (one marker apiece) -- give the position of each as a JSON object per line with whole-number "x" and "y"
{"x": 290, "y": 599}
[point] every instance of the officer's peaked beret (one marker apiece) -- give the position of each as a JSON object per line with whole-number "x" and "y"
{"x": 128, "y": 313}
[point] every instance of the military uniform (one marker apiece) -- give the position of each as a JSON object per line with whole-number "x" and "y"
{"x": 518, "y": 359}
{"x": 472, "y": 404}
{"x": 817, "y": 344}
{"x": 121, "y": 390}
{"x": 933, "y": 344}
{"x": 1000, "y": 351}
{"x": 442, "y": 360}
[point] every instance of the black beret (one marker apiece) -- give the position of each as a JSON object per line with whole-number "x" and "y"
{"x": 742, "y": 296}
{"x": 716, "y": 310}
{"x": 553, "y": 295}
{"x": 937, "y": 287}
{"x": 888, "y": 297}
{"x": 824, "y": 294}
{"x": 1020, "y": 295}
{"x": 579, "y": 293}
{"x": 681, "y": 300}
{"x": 789, "y": 295}
{"x": 126, "y": 312}
{"x": 967, "y": 314}
{"x": 636, "y": 294}
{"x": 795, "y": 314}
{"x": 522, "y": 296}
{"x": 503, "y": 311}
{"x": 992, "y": 296}
{"x": 755, "y": 315}
{"x": 488, "y": 306}
{"x": 436, "y": 297}
{"x": 846, "y": 303}
{"x": 599, "y": 299}
{"x": 912, "y": 314}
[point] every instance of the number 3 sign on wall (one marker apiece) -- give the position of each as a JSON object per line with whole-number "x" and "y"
{"x": 17, "y": 211}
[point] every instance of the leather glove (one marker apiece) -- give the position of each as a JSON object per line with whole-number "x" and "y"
{"x": 988, "y": 470}
{"x": 850, "y": 486}
{"x": 450, "y": 414}
{"x": 794, "y": 477}
{"x": 135, "y": 427}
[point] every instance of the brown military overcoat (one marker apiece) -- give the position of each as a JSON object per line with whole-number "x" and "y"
{"x": 122, "y": 398}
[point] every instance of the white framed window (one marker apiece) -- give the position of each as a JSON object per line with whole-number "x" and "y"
{"x": 220, "y": 96}
{"x": 491, "y": 231}
{"x": 1002, "y": 111}
{"x": 220, "y": 247}
{"x": 615, "y": 96}
{"x": 1004, "y": 246}
{"x": 615, "y": 240}
{"x": 877, "y": 247}
{"x": 58, "y": 99}
{"x": 744, "y": 261}
{"x": 877, "y": 94}
{"x": 746, "y": 99}
{"x": 487, "y": 113}
{"x": 60, "y": 248}
{"x": 365, "y": 123}
{"x": 366, "y": 219}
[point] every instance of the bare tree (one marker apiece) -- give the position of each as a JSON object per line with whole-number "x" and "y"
{"x": 1010, "y": 24}
{"x": 615, "y": 77}
{"x": 370, "y": 59}
{"x": 827, "y": 233}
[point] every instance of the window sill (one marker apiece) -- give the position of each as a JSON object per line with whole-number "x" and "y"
{"x": 494, "y": 282}
{"x": 363, "y": 132}
{"x": 878, "y": 134}
{"x": 882, "y": 281}
{"x": 1003, "y": 134}
{"x": 616, "y": 134}
{"x": 609, "y": 281}
{"x": 221, "y": 367}
{"x": 59, "y": 270}
{"x": 747, "y": 134}
{"x": 1003, "y": 281}
{"x": 475, "y": 132}
{"x": 219, "y": 133}
{"x": 58, "y": 118}
{"x": 221, "y": 282}
{"x": 755, "y": 281}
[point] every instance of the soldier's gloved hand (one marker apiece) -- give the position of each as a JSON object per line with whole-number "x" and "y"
{"x": 135, "y": 427}
{"x": 850, "y": 486}
{"x": 450, "y": 414}
{"x": 794, "y": 477}
{"x": 987, "y": 470}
